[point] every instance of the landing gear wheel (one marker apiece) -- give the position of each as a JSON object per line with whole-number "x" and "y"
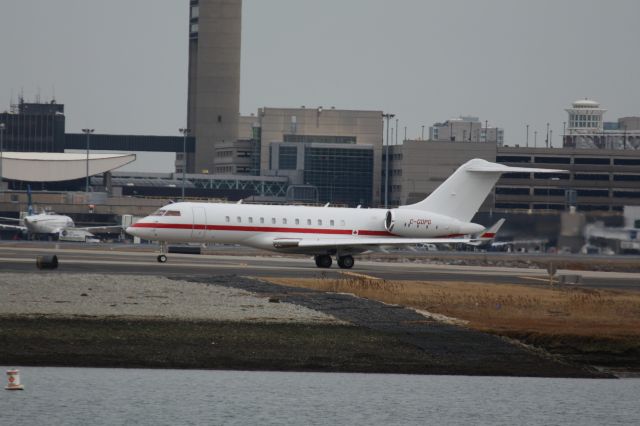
{"x": 323, "y": 261}
{"x": 162, "y": 258}
{"x": 346, "y": 262}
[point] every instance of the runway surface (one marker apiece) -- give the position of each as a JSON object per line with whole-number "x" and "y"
{"x": 72, "y": 259}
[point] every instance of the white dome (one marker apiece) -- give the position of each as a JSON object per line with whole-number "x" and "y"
{"x": 586, "y": 103}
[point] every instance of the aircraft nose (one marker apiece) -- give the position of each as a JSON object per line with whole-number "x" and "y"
{"x": 131, "y": 231}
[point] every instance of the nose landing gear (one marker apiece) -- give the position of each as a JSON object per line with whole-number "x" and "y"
{"x": 162, "y": 257}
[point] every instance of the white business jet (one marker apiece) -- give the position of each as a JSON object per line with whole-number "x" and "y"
{"x": 442, "y": 218}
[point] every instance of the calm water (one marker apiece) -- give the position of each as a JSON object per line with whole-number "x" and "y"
{"x": 81, "y": 396}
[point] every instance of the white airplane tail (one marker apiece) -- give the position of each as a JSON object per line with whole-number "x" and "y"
{"x": 487, "y": 236}
{"x": 462, "y": 194}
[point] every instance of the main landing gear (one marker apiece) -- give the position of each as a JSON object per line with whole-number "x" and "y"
{"x": 162, "y": 257}
{"x": 325, "y": 261}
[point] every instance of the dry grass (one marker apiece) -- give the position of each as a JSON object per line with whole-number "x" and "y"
{"x": 502, "y": 308}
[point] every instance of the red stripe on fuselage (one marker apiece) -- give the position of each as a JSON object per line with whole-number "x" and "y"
{"x": 260, "y": 229}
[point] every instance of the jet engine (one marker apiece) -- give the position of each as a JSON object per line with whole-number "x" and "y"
{"x": 423, "y": 224}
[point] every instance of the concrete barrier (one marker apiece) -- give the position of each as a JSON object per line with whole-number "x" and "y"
{"x": 47, "y": 262}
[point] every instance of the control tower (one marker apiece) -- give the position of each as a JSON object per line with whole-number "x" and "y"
{"x": 214, "y": 78}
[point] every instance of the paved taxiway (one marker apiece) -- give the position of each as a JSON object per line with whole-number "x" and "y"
{"x": 16, "y": 258}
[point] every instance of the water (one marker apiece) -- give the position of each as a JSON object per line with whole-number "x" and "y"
{"x": 92, "y": 396}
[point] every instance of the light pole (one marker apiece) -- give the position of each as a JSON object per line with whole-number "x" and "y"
{"x": 87, "y": 132}
{"x": 386, "y": 166}
{"x": 422, "y": 138}
{"x": 185, "y": 131}
{"x": 547, "y": 141}
{"x": 396, "y": 141}
{"x": 527, "y": 136}
{"x": 2, "y": 126}
{"x": 535, "y": 138}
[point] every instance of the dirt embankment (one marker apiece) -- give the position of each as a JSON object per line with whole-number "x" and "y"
{"x": 151, "y": 322}
{"x": 590, "y": 327}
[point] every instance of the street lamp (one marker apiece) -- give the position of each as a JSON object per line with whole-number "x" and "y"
{"x": 185, "y": 131}
{"x": 527, "y": 136}
{"x": 547, "y": 141}
{"x": 386, "y": 166}
{"x": 87, "y": 132}
{"x": 422, "y": 138}
{"x": 2, "y": 126}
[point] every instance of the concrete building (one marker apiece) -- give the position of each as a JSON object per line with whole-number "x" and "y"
{"x": 340, "y": 173}
{"x": 598, "y": 180}
{"x": 586, "y": 129}
{"x": 33, "y": 127}
{"x": 214, "y": 80}
{"x": 466, "y": 129}
{"x": 339, "y": 128}
{"x": 417, "y": 167}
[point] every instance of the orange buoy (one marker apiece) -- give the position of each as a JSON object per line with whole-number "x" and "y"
{"x": 14, "y": 380}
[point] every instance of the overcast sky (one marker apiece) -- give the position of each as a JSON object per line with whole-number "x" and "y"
{"x": 120, "y": 66}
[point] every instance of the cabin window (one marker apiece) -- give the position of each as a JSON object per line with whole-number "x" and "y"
{"x": 239, "y": 219}
{"x": 262, "y": 220}
{"x": 308, "y": 221}
{"x": 332, "y": 223}
{"x": 227, "y": 219}
{"x": 273, "y": 220}
{"x": 342, "y": 223}
{"x": 297, "y": 221}
{"x": 172, "y": 213}
{"x": 250, "y": 220}
{"x": 284, "y": 221}
{"x": 158, "y": 213}
{"x": 319, "y": 222}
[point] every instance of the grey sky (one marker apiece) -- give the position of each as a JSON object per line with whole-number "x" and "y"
{"x": 120, "y": 66}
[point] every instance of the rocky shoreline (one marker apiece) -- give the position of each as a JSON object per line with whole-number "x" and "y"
{"x": 240, "y": 323}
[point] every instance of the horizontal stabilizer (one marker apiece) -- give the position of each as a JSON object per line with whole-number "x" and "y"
{"x": 462, "y": 194}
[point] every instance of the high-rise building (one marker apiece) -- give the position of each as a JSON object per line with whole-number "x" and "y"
{"x": 214, "y": 79}
{"x": 34, "y": 127}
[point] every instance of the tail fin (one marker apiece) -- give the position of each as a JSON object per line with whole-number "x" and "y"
{"x": 487, "y": 236}
{"x": 490, "y": 233}
{"x": 29, "y": 203}
{"x": 462, "y": 194}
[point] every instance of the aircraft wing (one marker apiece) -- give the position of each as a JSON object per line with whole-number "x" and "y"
{"x": 113, "y": 229}
{"x": 15, "y": 227}
{"x": 11, "y": 219}
{"x": 362, "y": 242}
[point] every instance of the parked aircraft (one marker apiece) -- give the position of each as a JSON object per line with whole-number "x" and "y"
{"x": 442, "y": 218}
{"x": 51, "y": 224}
{"x": 487, "y": 236}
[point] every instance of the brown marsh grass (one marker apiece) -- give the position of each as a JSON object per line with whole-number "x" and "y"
{"x": 503, "y": 308}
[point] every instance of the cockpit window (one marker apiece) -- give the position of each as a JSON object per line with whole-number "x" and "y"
{"x": 172, "y": 213}
{"x": 159, "y": 212}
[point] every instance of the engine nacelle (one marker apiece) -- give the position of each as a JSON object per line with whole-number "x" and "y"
{"x": 423, "y": 224}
